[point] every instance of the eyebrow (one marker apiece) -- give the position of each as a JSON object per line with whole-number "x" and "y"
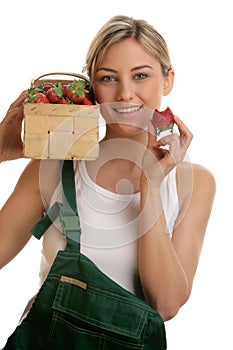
{"x": 141, "y": 67}
{"x": 133, "y": 69}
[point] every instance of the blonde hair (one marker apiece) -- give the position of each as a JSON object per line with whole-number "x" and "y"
{"x": 119, "y": 28}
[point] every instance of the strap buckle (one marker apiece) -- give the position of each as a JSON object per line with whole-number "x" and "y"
{"x": 70, "y": 223}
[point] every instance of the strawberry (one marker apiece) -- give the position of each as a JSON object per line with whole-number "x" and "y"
{"x": 86, "y": 101}
{"x": 44, "y": 86}
{"x": 39, "y": 97}
{"x": 163, "y": 120}
{"x": 64, "y": 89}
{"x": 64, "y": 101}
{"x": 35, "y": 95}
{"x": 55, "y": 93}
{"x": 76, "y": 91}
{"x": 47, "y": 86}
{"x": 90, "y": 94}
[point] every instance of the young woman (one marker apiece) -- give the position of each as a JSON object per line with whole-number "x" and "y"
{"x": 143, "y": 209}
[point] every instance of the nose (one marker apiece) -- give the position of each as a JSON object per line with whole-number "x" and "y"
{"x": 125, "y": 91}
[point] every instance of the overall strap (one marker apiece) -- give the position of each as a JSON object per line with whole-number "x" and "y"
{"x": 68, "y": 213}
{"x": 67, "y": 210}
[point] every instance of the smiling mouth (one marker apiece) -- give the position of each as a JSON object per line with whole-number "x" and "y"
{"x": 128, "y": 110}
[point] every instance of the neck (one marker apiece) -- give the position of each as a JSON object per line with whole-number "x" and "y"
{"x": 115, "y": 146}
{"x": 139, "y": 136}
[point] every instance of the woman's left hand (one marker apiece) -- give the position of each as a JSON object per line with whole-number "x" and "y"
{"x": 11, "y": 145}
{"x": 163, "y": 155}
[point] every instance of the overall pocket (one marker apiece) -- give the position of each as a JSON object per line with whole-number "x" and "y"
{"x": 86, "y": 317}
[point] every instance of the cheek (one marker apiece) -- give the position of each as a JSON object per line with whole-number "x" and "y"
{"x": 154, "y": 100}
{"x": 103, "y": 94}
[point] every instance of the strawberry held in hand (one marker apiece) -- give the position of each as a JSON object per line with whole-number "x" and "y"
{"x": 163, "y": 121}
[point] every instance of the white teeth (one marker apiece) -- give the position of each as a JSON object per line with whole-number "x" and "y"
{"x": 127, "y": 110}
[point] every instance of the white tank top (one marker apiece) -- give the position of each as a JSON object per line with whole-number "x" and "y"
{"x": 110, "y": 228}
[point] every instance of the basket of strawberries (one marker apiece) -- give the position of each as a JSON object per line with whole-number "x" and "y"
{"x": 61, "y": 118}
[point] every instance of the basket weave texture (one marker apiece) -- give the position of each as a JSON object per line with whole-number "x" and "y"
{"x": 60, "y": 131}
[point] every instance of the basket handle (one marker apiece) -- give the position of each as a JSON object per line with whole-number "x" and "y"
{"x": 60, "y": 73}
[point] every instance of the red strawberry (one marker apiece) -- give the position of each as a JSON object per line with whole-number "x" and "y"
{"x": 43, "y": 87}
{"x": 35, "y": 95}
{"x": 76, "y": 91}
{"x": 47, "y": 86}
{"x": 163, "y": 120}
{"x": 39, "y": 97}
{"x": 64, "y": 89}
{"x": 90, "y": 94}
{"x": 55, "y": 93}
{"x": 64, "y": 101}
{"x": 86, "y": 101}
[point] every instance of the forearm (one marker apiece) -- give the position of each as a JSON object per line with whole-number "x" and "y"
{"x": 163, "y": 278}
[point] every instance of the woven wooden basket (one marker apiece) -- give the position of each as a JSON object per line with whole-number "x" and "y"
{"x": 60, "y": 131}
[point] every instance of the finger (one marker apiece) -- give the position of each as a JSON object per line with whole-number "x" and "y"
{"x": 152, "y": 136}
{"x": 175, "y": 147}
{"x": 15, "y": 113}
{"x": 19, "y": 101}
{"x": 13, "y": 118}
{"x": 169, "y": 140}
{"x": 153, "y": 144}
{"x": 185, "y": 133}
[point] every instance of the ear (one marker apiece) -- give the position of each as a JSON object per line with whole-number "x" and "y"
{"x": 168, "y": 82}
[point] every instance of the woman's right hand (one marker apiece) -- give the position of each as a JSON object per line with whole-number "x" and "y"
{"x": 11, "y": 145}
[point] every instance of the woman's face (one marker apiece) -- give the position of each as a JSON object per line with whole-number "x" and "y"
{"x": 130, "y": 78}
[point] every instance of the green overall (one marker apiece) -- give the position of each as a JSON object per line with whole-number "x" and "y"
{"x": 78, "y": 306}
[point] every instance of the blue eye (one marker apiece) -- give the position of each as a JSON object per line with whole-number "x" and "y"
{"x": 108, "y": 78}
{"x": 140, "y": 76}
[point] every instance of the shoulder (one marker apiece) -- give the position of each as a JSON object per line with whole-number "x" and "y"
{"x": 203, "y": 176}
{"x": 204, "y": 185}
{"x": 42, "y": 176}
{"x": 195, "y": 182}
{"x": 31, "y": 172}
{"x": 197, "y": 173}
{"x": 38, "y": 168}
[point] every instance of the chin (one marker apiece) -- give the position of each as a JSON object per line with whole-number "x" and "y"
{"x": 127, "y": 129}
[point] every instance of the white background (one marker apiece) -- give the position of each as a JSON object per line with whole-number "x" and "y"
{"x": 46, "y": 36}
